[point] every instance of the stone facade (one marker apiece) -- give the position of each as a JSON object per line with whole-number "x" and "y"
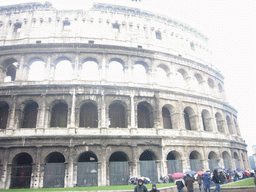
{"x": 184, "y": 118}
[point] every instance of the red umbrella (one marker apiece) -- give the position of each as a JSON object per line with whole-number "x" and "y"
{"x": 200, "y": 173}
{"x": 177, "y": 175}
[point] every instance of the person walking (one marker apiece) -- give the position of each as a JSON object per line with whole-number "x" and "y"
{"x": 207, "y": 182}
{"x": 180, "y": 184}
{"x": 200, "y": 181}
{"x": 189, "y": 183}
{"x": 140, "y": 187}
{"x": 154, "y": 189}
{"x": 216, "y": 180}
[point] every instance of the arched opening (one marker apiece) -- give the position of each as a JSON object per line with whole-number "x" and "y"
{"x": 243, "y": 161}
{"x": 174, "y": 162}
{"x": 144, "y": 115}
{"x": 54, "y": 171}
{"x": 237, "y": 127}
{"x": 236, "y": 158}
{"x": 88, "y": 116}
{"x": 30, "y": 115}
{"x": 210, "y": 83}
{"x": 11, "y": 70}
{"x": 139, "y": 73}
{"x": 118, "y": 168}
{"x": 179, "y": 79}
{"x": 167, "y": 122}
{"x": 226, "y": 160}
{"x": 148, "y": 167}
{"x": 4, "y": 111}
{"x": 117, "y": 116}
{"x": 161, "y": 76}
{"x": 87, "y": 170}
{"x": 219, "y": 122}
{"x": 116, "y": 71}
{"x": 195, "y": 161}
{"x": 63, "y": 70}
{"x": 213, "y": 160}
{"x": 59, "y": 115}
{"x": 21, "y": 171}
{"x": 230, "y": 126}
{"x": 189, "y": 118}
{"x": 90, "y": 70}
{"x": 36, "y": 70}
{"x": 206, "y": 120}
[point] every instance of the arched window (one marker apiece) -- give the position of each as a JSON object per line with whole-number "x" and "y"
{"x": 226, "y": 159}
{"x": 206, "y": 120}
{"x": 236, "y": 158}
{"x": 161, "y": 76}
{"x": 4, "y": 111}
{"x": 88, "y": 116}
{"x": 187, "y": 122}
{"x": 179, "y": 79}
{"x": 144, "y": 115}
{"x": 63, "y": 70}
{"x": 167, "y": 122}
{"x": 30, "y": 115}
{"x": 117, "y": 115}
{"x": 11, "y": 72}
{"x": 90, "y": 70}
{"x": 59, "y": 115}
{"x": 213, "y": 160}
{"x": 174, "y": 162}
{"x": 219, "y": 122}
{"x": 195, "y": 161}
{"x": 230, "y": 126}
{"x": 139, "y": 73}
{"x": 190, "y": 119}
{"x": 115, "y": 71}
{"x": 36, "y": 71}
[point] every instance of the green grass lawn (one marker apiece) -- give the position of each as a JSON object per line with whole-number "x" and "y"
{"x": 98, "y": 188}
{"x": 242, "y": 183}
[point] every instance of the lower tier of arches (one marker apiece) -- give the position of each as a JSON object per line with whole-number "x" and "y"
{"x": 67, "y": 162}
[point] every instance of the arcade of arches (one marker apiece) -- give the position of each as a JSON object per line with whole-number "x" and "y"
{"x": 107, "y": 165}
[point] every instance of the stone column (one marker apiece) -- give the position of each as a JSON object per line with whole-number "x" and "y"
{"x": 41, "y": 113}
{"x": 186, "y": 161}
{"x": 103, "y": 68}
{"x": 71, "y": 167}
{"x": 157, "y": 119}
{"x": 104, "y": 121}
{"x": 159, "y": 168}
{"x": 132, "y": 112}
{"x": 73, "y": 110}
{"x": 2, "y": 74}
{"x": 19, "y": 70}
{"x": 5, "y": 173}
{"x": 135, "y": 161}
{"x": 75, "y": 66}
{"x": 104, "y": 166}
{"x": 48, "y": 68}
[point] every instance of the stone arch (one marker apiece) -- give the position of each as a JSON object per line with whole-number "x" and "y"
{"x": 90, "y": 69}
{"x": 162, "y": 74}
{"x": 118, "y": 156}
{"x": 237, "y": 127}
{"x": 212, "y": 160}
{"x": 211, "y": 82}
{"x": 243, "y": 161}
{"x": 220, "y": 87}
{"x": 29, "y": 116}
{"x": 198, "y": 77}
{"x": 4, "y": 113}
{"x": 226, "y": 159}
{"x": 183, "y": 72}
{"x": 55, "y": 157}
{"x": 140, "y": 72}
{"x": 190, "y": 118}
{"x": 118, "y": 114}
{"x": 145, "y": 116}
{"x": 206, "y": 120}
{"x": 116, "y": 70}
{"x": 37, "y": 69}
{"x": 168, "y": 115}
{"x": 147, "y": 155}
{"x": 88, "y": 116}
{"x": 229, "y": 124}
{"x": 219, "y": 122}
{"x": 195, "y": 161}
{"x": 59, "y": 113}
{"x": 63, "y": 69}
{"x": 21, "y": 171}
{"x": 11, "y": 66}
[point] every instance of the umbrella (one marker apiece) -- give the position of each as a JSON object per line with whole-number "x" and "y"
{"x": 190, "y": 172}
{"x": 177, "y": 175}
{"x": 200, "y": 173}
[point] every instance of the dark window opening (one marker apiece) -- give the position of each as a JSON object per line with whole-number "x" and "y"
{"x": 170, "y": 156}
{"x": 116, "y": 26}
{"x": 203, "y": 120}
{"x": 139, "y": 47}
{"x": 118, "y": 156}
{"x": 55, "y": 157}
{"x": 4, "y": 111}
{"x": 88, "y": 116}
{"x": 91, "y": 42}
{"x": 167, "y": 123}
{"x": 59, "y": 115}
{"x": 117, "y": 115}
{"x": 143, "y": 116}
{"x": 11, "y": 72}
{"x": 66, "y": 23}
{"x": 159, "y": 35}
{"x": 38, "y": 42}
{"x": 147, "y": 156}
{"x": 88, "y": 157}
{"x": 192, "y": 45}
{"x": 187, "y": 121}
{"x": 30, "y": 115}
{"x": 17, "y": 26}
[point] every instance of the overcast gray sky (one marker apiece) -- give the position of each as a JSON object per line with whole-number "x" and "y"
{"x": 229, "y": 25}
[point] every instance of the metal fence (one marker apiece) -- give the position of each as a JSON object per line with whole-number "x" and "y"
{"x": 54, "y": 174}
{"x": 149, "y": 169}
{"x": 174, "y": 166}
{"x": 212, "y": 163}
{"x": 227, "y": 164}
{"x": 195, "y": 165}
{"x": 21, "y": 176}
{"x": 119, "y": 173}
{"x": 87, "y": 174}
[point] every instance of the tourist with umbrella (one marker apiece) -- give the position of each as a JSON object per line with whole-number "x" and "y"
{"x": 189, "y": 183}
{"x": 200, "y": 181}
{"x": 216, "y": 180}
{"x": 207, "y": 182}
{"x": 179, "y": 181}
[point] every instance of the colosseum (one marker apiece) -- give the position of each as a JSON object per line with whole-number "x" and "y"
{"x": 91, "y": 98}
